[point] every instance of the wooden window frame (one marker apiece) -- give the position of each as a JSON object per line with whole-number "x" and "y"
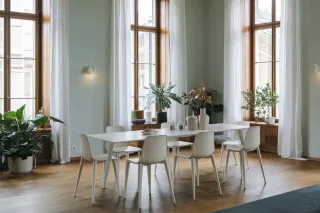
{"x": 136, "y": 28}
{"x": 273, "y": 25}
{"x": 6, "y": 14}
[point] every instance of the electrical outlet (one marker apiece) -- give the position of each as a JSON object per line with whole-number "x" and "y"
{"x": 72, "y": 148}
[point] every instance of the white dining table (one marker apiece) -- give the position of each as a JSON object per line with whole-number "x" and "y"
{"x": 128, "y": 136}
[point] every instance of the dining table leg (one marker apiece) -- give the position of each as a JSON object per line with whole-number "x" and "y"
{"x": 107, "y": 167}
{"x": 173, "y": 163}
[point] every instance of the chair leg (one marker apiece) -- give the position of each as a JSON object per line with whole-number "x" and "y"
{"x": 261, "y": 165}
{"x": 174, "y": 159}
{"x": 118, "y": 163}
{"x": 243, "y": 169}
{"x": 155, "y": 169}
{"x": 178, "y": 151}
{"x": 197, "y": 172}
{"x": 216, "y": 173}
{"x": 126, "y": 176}
{"x": 149, "y": 178}
{"x": 103, "y": 175}
{"x": 116, "y": 173}
{"x": 94, "y": 164}
{"x": 139, "y": 168}
{"x": 221, "y": 154}
{"x": 78, "y": 178}
{"x": 193, "y": 179}
{"x": 170, "y": 181}
{"x": 247, "y": 160}
{"x": 226, "y": 168}
{"x": 139, "y": 154}
{"x": 235, "y": 159}
{"x": 140, "y": 183}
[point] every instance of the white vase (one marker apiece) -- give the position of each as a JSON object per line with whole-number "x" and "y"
{"x": 203, "y": 119}
{"x": 17, "y": 165}
{"x": 192, "y": 122}
{"x": 148, "y": 116}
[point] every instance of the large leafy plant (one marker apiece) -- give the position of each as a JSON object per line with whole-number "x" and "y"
{"x": 261, "y": 102}
{"x": 202, "y": 98}
{"x": 161, "y": 95}
{"x": 20, "y": 137}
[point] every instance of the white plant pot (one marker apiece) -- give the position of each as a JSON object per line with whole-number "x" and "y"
{"x": 271, "y": 120}
{"x": 192, "y": 122}
{"x": 203, "y": 119}
{"x": 17, "y": 165}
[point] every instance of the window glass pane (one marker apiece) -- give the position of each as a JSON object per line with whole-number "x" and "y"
{"x": 132, "y": 3}
{"x": 146, "y": 12}
{"x": 132, "y": 89}
{"x": 146, "y": 47}
{"x": 22, "y": 78}
{"x": 23, "y": 6}
{"x": 22, "y": 38}
{"x": 263, "y": 45}
{"x": 277, "y": 86}
{"x": 263, "y": 11}
{"x": 132, "y": 46}
{"x": 146, "y": 76}
{"x": 1, "y": 105}
{"x": 2, "y": 4}
{"x": 278, "y": 44}
{"x": 1, "y": 79}
{"x": 278, "y": 10}
{"x": 1, "y": 63}
{"x": 30, "y": 106}
{"x": 263, "y": 74}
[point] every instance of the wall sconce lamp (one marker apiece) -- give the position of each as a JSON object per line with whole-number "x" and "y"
{"x": 316, "y": 68}
{"x": 89, "y": 70}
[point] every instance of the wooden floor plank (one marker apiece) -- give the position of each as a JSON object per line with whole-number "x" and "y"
{"x": 50, "y": 188}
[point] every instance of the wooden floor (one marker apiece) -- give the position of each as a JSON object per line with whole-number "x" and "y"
{"x": 50, "y": 188}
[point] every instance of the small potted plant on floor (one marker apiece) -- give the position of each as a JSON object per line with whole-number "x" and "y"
{"x": 20, "y": 139}
{"x": 162, "y": 96}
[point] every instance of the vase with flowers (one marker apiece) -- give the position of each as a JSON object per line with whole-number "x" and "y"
{"x": 199, "y": 100}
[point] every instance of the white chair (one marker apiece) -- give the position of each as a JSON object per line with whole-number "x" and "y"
{"x": 120, "y": 148}
{"x": 154, "y": 151}
{"x": 173, "y": 144}
{"x": 235, "y": 141}
{"x": 251, "y": 142}
{"x": 203, "y": 147}
{"x": 85, "y": 153}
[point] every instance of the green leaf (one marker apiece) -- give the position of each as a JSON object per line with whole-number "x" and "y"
{"x": 1, "y": 116}
{"x": 20, "y": 113}
{"x": 9, "y": 115}
{"x": 57, "y": 120}
{"x": 41, "y": 121}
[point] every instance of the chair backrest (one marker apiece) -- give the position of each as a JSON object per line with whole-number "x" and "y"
{"x": 111, "y": 129}
{"x": 154, "y": 150}
{"x": 236, "y": 134}
{"x": 203, "y": 145}
{"x": 85, "y": 151}
{"x": 251, "y": 138}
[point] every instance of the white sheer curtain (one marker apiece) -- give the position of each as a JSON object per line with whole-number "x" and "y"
{"x": 232, "y": 61}
{"x": 290, "y": 139}
{"x": 121, "y": 76}
{"x": 59, "y": 78}
{"x": 177, "y": 58}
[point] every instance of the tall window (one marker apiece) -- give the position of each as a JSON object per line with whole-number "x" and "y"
{"x": 19, "y": 63}
{"x": 266, "y": 44}
{"x": 145, "y": 46}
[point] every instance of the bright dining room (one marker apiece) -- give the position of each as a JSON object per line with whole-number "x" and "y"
{"x": 196, "y": 106}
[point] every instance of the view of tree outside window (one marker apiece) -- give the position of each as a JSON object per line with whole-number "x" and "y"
{"x": 266, "y": 32}
{"x": 144, "y": 46}
{"x": 20, "y": 54}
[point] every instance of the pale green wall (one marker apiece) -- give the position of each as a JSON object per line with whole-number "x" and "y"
{"x": 89, "y": 45}
{"x": 310, "y": 35}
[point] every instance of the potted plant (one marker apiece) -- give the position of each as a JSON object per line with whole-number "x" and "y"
{"x": 20, "y": 139}
{"x": 200, "y": 101}
{"x": 162, "y": 96}
{"x": 261, "y": 103}
{"x": 195, "y": 104}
